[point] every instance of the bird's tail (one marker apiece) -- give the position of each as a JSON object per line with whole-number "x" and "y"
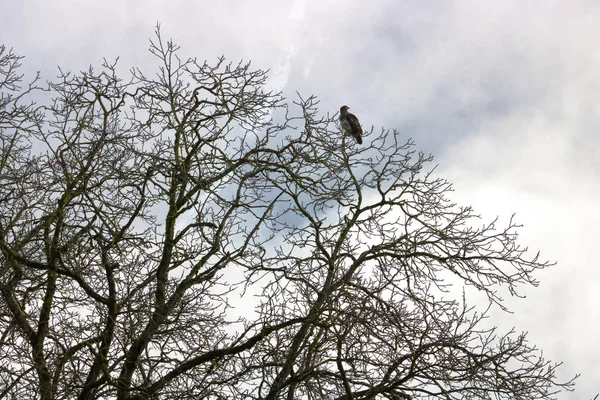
{"x": 358, "y": 139}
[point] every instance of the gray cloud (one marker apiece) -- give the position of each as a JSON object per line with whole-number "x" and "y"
{"x": 506, "y": 95}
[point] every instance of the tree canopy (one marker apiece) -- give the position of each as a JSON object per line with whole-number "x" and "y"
{"x": 190, "y": 234}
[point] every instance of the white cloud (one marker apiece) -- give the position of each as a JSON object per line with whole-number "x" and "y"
{"x": 506, "y": 94}
{"x": 539, "y": 158}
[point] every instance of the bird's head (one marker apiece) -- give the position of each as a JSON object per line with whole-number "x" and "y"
{"x": 343, "y": 109}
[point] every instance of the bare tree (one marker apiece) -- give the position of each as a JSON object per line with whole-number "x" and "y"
{"x": 188, "y": 234}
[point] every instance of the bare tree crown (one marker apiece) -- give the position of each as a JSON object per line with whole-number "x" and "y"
{"x": 188, "y": 234}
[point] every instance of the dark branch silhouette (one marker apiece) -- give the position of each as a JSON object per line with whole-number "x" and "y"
{"x": 187, "y": 234}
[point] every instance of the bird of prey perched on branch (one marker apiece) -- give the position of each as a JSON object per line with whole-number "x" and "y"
{"x": 350, "y": 124}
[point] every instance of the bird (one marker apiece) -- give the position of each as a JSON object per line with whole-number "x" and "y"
{"x": 350, "y": 124}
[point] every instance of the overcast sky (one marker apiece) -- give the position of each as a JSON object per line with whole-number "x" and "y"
{"x": 505, "y": 94}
